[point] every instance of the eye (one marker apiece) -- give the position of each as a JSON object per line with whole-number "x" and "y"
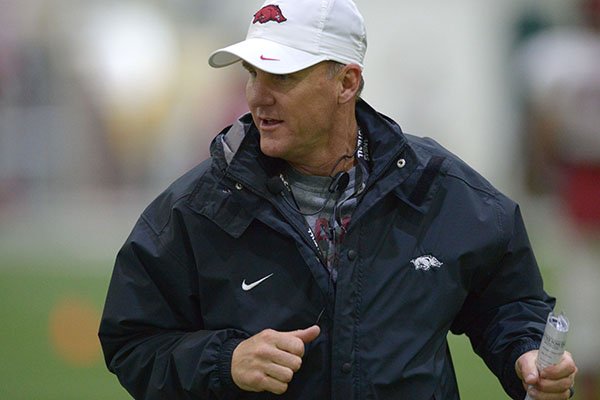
{"x": 282, "y": 77}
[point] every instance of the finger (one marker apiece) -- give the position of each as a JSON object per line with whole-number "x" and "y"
{"x": 269, "y": 384}
{"x": 566, "y": 367}
{"x": 539, "y": 395}
{"x": 280, "y": 373}
{"x": 256, "y": 359}
{"x": 257, "y": 380}
{"x": 285, "y": 359}
{"x": 269, "y": 341}
{"x": 294, "y": 341}
{"x": 526, "y": 368}
{"x": 554, "y": 386}
{"x": 289, "y": 343}
{"x": 309, "y": 334}
{"x": 282, "y": 352}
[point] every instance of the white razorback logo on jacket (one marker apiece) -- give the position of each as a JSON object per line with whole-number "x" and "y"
{"x": 426, "y": 262}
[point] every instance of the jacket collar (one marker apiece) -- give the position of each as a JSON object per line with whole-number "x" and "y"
{"x": 386, "y": 139}
{"x": 238, "y": 146}
{"x": 236, "y": 153}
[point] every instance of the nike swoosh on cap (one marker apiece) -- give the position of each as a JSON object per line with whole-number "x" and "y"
{"x": 268, "y": 59}
{"x": 250, "y": 286}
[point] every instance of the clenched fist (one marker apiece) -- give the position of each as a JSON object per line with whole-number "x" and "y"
{"x": 268, "y": 360}
{"x": 552, "y": 383}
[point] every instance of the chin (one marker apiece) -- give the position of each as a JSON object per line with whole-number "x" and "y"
{"x": 270, "y": 148}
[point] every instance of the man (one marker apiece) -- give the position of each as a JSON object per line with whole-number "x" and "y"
{"x": 320, "y": 253}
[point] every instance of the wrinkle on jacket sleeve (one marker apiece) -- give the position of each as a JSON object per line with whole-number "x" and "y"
{"x": 503, "y": 324}
{"x": 151, "y": 330}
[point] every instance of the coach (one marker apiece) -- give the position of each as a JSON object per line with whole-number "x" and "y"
{"x": 321, "y": 253}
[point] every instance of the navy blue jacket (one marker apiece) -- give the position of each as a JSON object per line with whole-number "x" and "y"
{"x": 432, "y": 247}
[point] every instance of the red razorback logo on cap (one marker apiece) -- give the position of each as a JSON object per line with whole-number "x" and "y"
{"x": 269, "y": 13}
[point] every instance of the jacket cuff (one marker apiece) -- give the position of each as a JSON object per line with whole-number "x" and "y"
{"x": 510, "y": 381}
{"x": 224, "y": 366}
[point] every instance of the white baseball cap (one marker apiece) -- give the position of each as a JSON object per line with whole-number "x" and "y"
{"x": 286, "y": 36}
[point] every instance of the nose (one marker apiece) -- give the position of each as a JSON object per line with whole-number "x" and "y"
{"x": 258, "y": 91}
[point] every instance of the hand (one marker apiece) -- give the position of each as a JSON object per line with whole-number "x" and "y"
{"x": 552, "y": 383}
{"x": 268, "y": 360}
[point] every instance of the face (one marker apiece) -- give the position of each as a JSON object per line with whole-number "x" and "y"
{"x": 294, "y": 113}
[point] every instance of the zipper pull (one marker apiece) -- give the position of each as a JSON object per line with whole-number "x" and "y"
{"x": 285, "y": 183}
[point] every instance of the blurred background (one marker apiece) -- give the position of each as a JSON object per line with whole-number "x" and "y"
{"x": 103, "y": 103}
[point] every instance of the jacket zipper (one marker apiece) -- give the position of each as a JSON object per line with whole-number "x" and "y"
{"x": 310, "y": 232}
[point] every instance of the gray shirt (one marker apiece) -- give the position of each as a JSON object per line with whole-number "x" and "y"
{"x": 327, "y": 214}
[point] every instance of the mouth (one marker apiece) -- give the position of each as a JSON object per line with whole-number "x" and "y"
{"x": 269, "y": 123}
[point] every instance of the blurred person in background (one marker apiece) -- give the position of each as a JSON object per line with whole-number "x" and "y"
{"x": 321, "y": 252}
{"x": 560, "y": 69}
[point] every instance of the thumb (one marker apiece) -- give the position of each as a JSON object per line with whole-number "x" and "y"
{"x": 526, "y": 368}
{"x": 307, "y": 335}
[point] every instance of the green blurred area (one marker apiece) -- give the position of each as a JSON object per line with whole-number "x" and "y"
{"x": 31, "y": 367}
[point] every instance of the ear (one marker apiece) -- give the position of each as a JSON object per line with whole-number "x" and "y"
{"x": 350, "y": 78}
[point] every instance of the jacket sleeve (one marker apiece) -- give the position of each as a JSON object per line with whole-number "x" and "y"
{"x": 505, "y": 313}
{"x": 152, "y": 332}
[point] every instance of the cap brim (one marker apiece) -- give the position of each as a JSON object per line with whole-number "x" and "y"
{"x": 265, "y": 55}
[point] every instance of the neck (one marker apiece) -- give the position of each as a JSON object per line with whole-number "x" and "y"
{"x": 338, "y": 155}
